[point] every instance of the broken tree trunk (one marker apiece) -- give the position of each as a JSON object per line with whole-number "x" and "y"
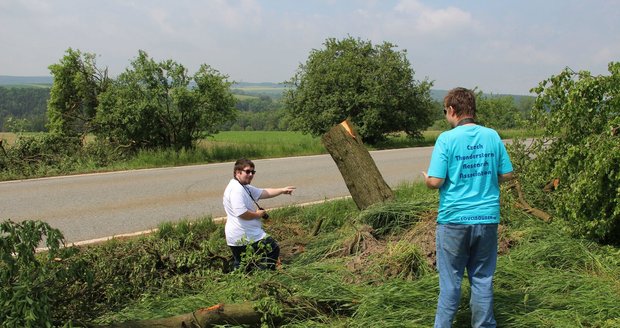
{"x": 358, "y": 169}
{"x": 229, "y": 314}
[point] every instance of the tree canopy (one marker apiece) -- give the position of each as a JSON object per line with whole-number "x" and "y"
{"x": 152, "y": 105}
{"x": 372, "y": 86}
{"x": 580, "y": 149}
{"x": 73, "y": 97}
{"x": 499, "y": 112}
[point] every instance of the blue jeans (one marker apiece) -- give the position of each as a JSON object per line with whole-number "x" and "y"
{"x": 466, "y": 246}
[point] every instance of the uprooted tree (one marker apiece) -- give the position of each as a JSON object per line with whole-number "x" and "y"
{"x": 578, "y": 154}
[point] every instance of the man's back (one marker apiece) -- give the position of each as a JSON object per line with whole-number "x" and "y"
{"x": 469, "y": 158}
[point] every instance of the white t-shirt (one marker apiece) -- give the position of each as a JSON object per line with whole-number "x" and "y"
{"x": 236, "y": 202}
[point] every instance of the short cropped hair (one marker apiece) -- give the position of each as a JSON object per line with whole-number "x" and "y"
{"x": 462, "y": 100}
{"x": 241, "y": 163}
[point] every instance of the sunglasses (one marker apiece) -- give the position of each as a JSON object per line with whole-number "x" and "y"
{"x": 249, "y": 171}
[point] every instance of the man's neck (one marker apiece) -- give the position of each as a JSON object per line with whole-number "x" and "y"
{"x": 466, "y": 121}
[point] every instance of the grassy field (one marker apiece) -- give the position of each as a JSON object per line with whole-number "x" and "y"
{"x": 342, "y": 267}
{"x": 348, "y": 268}
{"x": 272, "y": 90}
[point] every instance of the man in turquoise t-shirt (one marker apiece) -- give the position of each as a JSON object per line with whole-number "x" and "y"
{"x": 467, "y": 165}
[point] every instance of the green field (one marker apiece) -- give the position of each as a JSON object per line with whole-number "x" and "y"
{"x": 272, "y": 90}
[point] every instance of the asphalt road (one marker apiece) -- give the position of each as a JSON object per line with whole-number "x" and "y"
{"x": 93, "y": 206}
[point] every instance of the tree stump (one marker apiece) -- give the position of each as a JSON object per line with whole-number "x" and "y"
{"x": 358, "y": 169}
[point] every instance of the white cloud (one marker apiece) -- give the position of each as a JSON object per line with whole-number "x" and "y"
{"x": 425, "y": 19}
{"x": 504, "y": 46}
{"x": 504, "y": 52}
{"x": 160, "y": 17}
{"x": 235, "y": 15}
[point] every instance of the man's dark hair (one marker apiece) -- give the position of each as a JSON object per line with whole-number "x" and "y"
{"x": 241, "y": 163}
{"x": 462, "y": 100}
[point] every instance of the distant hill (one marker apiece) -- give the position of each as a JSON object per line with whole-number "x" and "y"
{"x": 26, "y": 80}
{"x": 248, "y": 88}
{"x": 273, "y": 90}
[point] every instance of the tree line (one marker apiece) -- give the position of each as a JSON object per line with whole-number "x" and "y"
{"x": 159, "y": 105}
{"x": 23, "y": 108}
{"x": 156, "y": 105}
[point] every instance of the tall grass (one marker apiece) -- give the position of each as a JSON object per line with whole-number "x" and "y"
{"x": 546, "y": 279}
{"x": 269, "y": 143}
{"x": 229, "y": 146}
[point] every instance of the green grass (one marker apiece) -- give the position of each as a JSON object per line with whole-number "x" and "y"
{"x": 545, "y": 279}
{"x": 275, "y": 92}
{"x": 514, "y": 133}
{"x": 245, "y": 97}
{"x": 401, "y": 140}
{"x": 230, "y": 146}
{"x": 276, "y": 143}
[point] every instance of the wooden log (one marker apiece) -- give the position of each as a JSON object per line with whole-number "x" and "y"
{"x": 220, "y": 314}
{"x": 358, "y": 169}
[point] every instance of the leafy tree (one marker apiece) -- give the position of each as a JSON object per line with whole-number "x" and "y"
{"x": 580, "y": 116}
{"x": 26, "y": 106}
{"x": 498, "y": 112}
{"x": 73, "y": 97}
{"x": 152, "y": 105}
{"x": 257, "y": 104}
{"x": 373, "y": 86}
{"x": 15, "y": 125}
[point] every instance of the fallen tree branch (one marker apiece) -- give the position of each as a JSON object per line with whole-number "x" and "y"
{"x": 522, "y": 204}
{"x": 317, "y": 228}
{"x": 220, "y": 314}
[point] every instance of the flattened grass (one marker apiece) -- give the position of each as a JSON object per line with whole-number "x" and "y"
{"x": 546, "y": 278}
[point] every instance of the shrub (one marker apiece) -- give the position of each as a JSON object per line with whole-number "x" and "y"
{"x": 580, "y": 115}
{"x": 24, "y": 275}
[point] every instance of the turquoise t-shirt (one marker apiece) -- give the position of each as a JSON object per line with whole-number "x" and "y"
{"x": 469, "y": 158}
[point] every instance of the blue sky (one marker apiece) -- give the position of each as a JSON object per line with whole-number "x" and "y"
{"x": 498, "y": 46}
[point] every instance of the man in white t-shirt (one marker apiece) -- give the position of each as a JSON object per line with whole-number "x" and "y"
{"x": 243, "y": 216}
